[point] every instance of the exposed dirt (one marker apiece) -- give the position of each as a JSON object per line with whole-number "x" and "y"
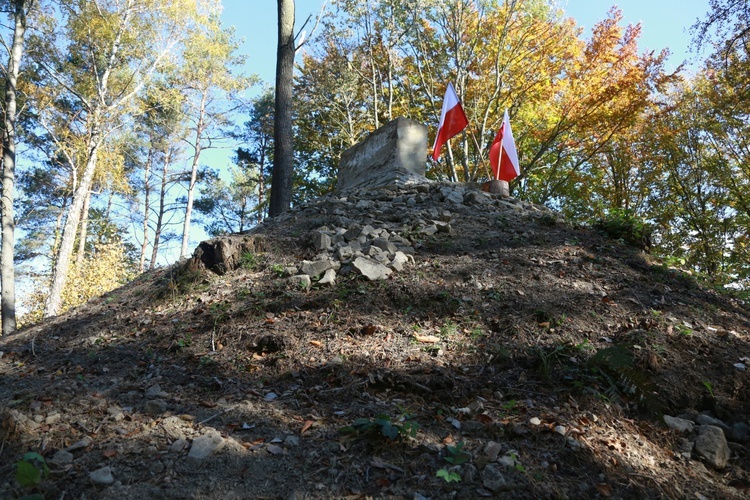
{"x": 485, "y": 344}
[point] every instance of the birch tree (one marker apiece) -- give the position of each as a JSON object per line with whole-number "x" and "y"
{"x": 18, "y": 12}
{"x": 108, "y": 51}
{"x": 209, "y": 63}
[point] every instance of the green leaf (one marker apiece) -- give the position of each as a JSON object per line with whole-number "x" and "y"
{"x": 362, "y": 422}
{"x": 390, "y": 431}
{"x": 448, "y": 476}
{"x": 27, "y": 475}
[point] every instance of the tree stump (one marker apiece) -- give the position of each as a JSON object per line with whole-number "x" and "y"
{"x": 496, "y": 187}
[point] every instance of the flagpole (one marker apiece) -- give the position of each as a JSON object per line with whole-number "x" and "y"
{"x": 481, "y": 158}
{"x": 500, "y": 161}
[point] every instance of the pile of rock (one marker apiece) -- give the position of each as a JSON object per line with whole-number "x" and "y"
{"x": 383, "y": 206}
{"x": 398, "y": 220}
{"x": 708, "y": 438}
{"x": 372, "y": 232}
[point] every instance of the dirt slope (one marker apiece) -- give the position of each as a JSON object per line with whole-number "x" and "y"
{"x": 517, "y": 357}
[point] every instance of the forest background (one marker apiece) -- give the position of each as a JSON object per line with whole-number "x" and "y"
{"x": 121, "y": 102}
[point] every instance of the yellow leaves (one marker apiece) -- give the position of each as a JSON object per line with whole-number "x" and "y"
{"x": 99, "y": 274}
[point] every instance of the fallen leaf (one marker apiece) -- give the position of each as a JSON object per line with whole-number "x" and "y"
{"x": 427, "y": 339}
{"x": 604, "y": 490}
{"x": 316, "y": 343}
{"x": 306, "y": 427}
{"x": 109, "y": 453}
{"x": 484, "y": 418}
{"x": 368, "y": 329}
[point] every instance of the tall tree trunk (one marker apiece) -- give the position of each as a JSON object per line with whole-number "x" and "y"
{"x": 261, "y": 194}
{"x": 162, "y": 207}
{"x": 281, "y": 184}
{"x": 194, "y": 173}
{"x": 60, "y": 273}
{"x": 84, "y": 231}
{"x": 146, "y": 208}
{"x": 7, "y": 268}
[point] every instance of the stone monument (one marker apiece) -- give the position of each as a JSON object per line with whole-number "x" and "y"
{"x": 394, "y": 155}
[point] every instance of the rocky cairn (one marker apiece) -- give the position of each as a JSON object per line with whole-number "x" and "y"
{"x": 383, "y": 207}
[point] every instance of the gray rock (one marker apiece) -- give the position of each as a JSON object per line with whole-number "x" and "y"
{"x": 492, "y": 450}
{"x": 155, "y": 406}
{"x": 371, "y": 269}
{"x": 711, "y": 446}
{"x": 344, "y": 253}
{"x": 367, "y": 231}
{"x": 155, "y": 392}
{"x": 61, "y": 457}
{"x": 510, "y": 459}
{"x": 178, "y": 446}
{"x": 102, "y": 476}
{"x": 301, "y": 281}
{"x": 364, "y": 204}
{"x": 203, "y": 446}
{"x": 85, "y": 442}
{"x": 739, "y": 432}
{"x": 679, "y": 424}
{"x": 399, "y": 259}
{"x": 315, "y": 268}
{"x": 685, "y": 445}
{"x": 444, "y": 227}
{"x": 321, "y": 240}
{"x": 291, "y": 441}
{"x": 494, "y": 480}
{"x": 385, "y": 245}
{"x": 455, "y": 196}
{"x": 708, "y": 420}
{"x": 470, "y": 473}
{"x": 353, "y": 233}
{"x": 373, "y": 251}
{"x": 329, "y": 278}
{"x": 477, "y": 197}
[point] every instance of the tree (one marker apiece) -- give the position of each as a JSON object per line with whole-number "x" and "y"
{"x": 229, "y": 206}
{"x": 257, "y": 136}
{"x": 283, "y": 153}
{"x": 567, "y": 97}
{"x": 160, "y": 125}
{"x": 209, "y": 59}
{"x": 113, "y": 49}
{"x": 19, "y": 12}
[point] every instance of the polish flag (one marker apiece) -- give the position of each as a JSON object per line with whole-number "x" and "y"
{"x": 452, "y": 120}
{"x": 503, "y": 155}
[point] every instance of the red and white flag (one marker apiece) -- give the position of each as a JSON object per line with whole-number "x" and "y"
{"x": 452, "y": 120}
{"x": 503, "y": 155}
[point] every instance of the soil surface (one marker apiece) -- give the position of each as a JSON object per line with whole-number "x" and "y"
{"x": 517, "y": 356}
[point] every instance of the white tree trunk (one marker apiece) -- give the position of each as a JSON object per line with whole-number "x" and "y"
{"x": 7, "y": 267}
